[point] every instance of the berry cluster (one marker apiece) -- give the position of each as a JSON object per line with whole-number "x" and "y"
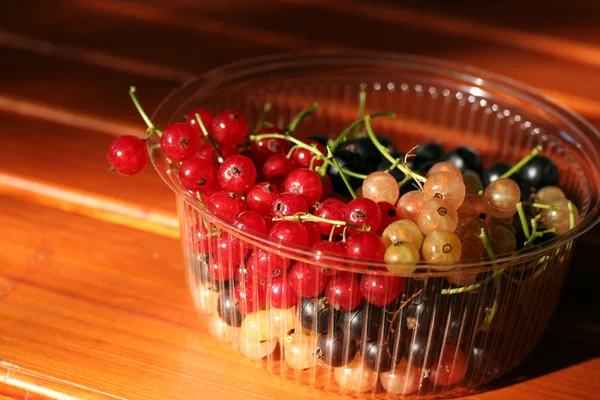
{"x": 355, "y": 197}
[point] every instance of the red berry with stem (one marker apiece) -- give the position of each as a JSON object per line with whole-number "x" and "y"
{"x": 312, "y": 233}
{"x": 323, "y": 249}
{"x": 249, "y": 296}
{"x": 205, "y": 116}
{"x": 363, "y": 211}
{"x": 276, "y": 165}
{"x": 332, "y": 209}
{"x": 197, "y": 174}
{"x": 263, "y": 149}
{"x": 288, "y": 204}
{"x": 343, "y": 292}
{"x": 128, "y": 155}
{"x": 237, "y": 174}
{"x": 304, "y": 182}
{"x": 281, "y": 295}
{"x": 303, "y": 157}
{"x": 389, "y": 214}
{"x": 179, "y": 142}
{"x": 307, "y": 280}
{"x": 252, "y": 222}
{"x": 381, "y": 290}
{"x": 229, "y": 128}
{"x": 225, "y": 205}
{"x": 365, "y": 245}
{"x": 289, "y": 232}
{"x": 451, "y": 367}
{"x": 266, "y": 263}
{"x": 260, "y": 198}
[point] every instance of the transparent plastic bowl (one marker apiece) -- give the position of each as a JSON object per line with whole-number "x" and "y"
{"x": 488, "y": 329}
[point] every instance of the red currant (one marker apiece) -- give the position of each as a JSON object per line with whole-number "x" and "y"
{"x": 365, "y": 245}
{"x": 219, "y": 271}
{"x": 265, "y": 148}
{"x": 249, "y": 221}
{"x": 332, "y": 209}
{"x": 289, "y": 232}
{"x": 307, "y": 280}
{"x": 276, "y": 165}
{"x": 281, "y": 295}
{"x": 303, "y": 157}
{"x": 249, "y": 297}
{"x": 363, "y": 211}
{"x": 205, "y": 116}
{"x": 389, "y": 214}
{"x": 197, "y": 174}
{"x": 312, "y": 233}
{"x": 325, "y": 248}
{"x": 237, "y": 174}
{"x": 128, "y": 155}
{"x": 306, "y": 183}
{"x": 179, "y": 142}
{"x": 226, "y": 205}
{"x": 381, "y": 290}
{"x": 451, "y": 368}
{"x": 343, "y": 292}
{"x": 266, "y": 263}
{"x": 228, "y": 251}
{"x": 229, "y": 128}
{"x": 288, "y": 204}
{"x": 261, "y": 197}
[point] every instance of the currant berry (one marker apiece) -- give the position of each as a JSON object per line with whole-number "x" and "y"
{"x": 473, "y": 206}
{"x": 405, "y": 379}
{"x": 444, "y": 166}
{"x": 229, "y": 128}
{"x": 249, "y": 297}
{"x": 355, "y": 377}
{"x": 429, "y": 151}
{"x": 227, "y": 310}
{"x": 336, "y": 350}
{"x": 363, "y": 212}
{"x": 306, "y": 183}
{"x": 288, "y": 204}
{"x": 378, "y": 355}
{"x": 227, "y": 250}
{"x": 267, "y": 264}
{"x": 451, "y": 367}
{"x": 332, "y": 209}
{"x": 464, "y": 158}
{"x": 197, "y": 174}
{"x": 548, "y": 194}
{"x": 364, "y": 322}
{"x": 316, "y": 314}
{"x": 128, "y": 155}
{"x": 299, "y": 350}
{"x": 324, "y": 249}
{"x": 410, "y": 204}
{"x": 436, "y": 214}
{"x": 503, "y": 240}
{"x": 256, "y": 350}
{"x": 472, "y": 182}
{"x": 277, "y": 165}
{"x": 402, "y": 231}
{"x": 343, "y": 292}
{"x": 289, "y": 232}
{"x": 445, "y": 186}
{"x": 494, "y": 172}
{"x": 400, "y": 255}
{"x": 381, "y": 186}
{"x": 179, "y": 142}
{"x": 381, "y": 290}
{"x": 256, "y": 327}
{"x": 502, "y": 197}
{"x": 312, "y": 233}
{"x": 205, "y": 116}
{"x": 364, "y": 245}
{"x": 540, "y": 171}
{"x": 237, "y": 174}
{"x": 559, "y": 219}
{"x": 263, "y": 149}
{"x": 225, "y": 205}
{"x": 307, "y": 280}
{"x": 441, "y": 247}
{"x": 389, "y": 214}
{"x": 280, "y": 294}
{"x": 261, "y": 197}
{"x": 249, "y": 221}
{"x": 303, "y": 157}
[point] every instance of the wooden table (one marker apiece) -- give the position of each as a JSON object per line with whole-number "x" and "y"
{"x": 93, "y": 296}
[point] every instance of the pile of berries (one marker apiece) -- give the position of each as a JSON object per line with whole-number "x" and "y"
{"x": 354, "y": 197}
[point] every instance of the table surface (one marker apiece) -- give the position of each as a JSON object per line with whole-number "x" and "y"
{"x": 93, "y": 295}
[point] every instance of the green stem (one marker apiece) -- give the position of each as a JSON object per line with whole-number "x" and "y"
{"x": 209, "y": 138}
{"x": 523, "y": 219}
{"x": 536, "y": 150}
{"x": 342, "y": 136}
{"x": 571, "y": 215}
{"x": 303, "y": 217}
{"x": 534, "y": 232}
{"x": 394, "y": 165}
{"x": 406, "y": 179}
{"x": 473, "y": 286}
{"x": 487, "y": 244}
{"x": 263, "y": 117}
{"x": 331, "y": 233}
{"x": 361, "y": 110}
{"x": 294, "y": 148}
{"x": 541, "y": 205}
{"x": 151, "y": 127}
{"x": 300, "y": 116}
{"x": 340, "y": 171}
{"x": 386, "y": 153}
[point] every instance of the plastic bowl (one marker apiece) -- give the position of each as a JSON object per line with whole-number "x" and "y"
{"x": 436, "y": 338}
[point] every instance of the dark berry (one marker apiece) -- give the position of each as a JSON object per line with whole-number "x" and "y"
{"x": 422, "y": 350}
{"x": 364, "y": 321}
{"x": 378, "y": 355}
{"x": 227, "y": 310}
{"x": 465, "y": 158}
{"x": 336, "y": 350}
{"x": 385, "y": 164}
{"x": 260, "y": 198}
{"x": 179, "y": 142}
{"x": 237, "y": 174}
{"x": 540, "y": 171}
{"x": 197, "y": 174}
{"x": 364, "y": 148}
{"x": 229, "y": 128}
{"x": 128, "y": 155}
{"x": 429, "y": 151}
{"x": 306, "y": 183}
{"x": 494, "y": 172}
{"x": 343, "y": 292}
{"x": 317, "y": 315}
{"x": 323, "y": 139}
{"x": 352, "y": 162}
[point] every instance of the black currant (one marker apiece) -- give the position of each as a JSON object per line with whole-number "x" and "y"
{"x": 317, "y": 315}
{"x": 335, "y": 349}
{"x": 494, "y": 172}
{"x": 227, "y": 310}
{"x": 430, "y": 151}
{"x": 378, "y": 355}
{"x": 540, "y": 171}
{"x": 465, "y": 157}
{"x": 363, "y": 322}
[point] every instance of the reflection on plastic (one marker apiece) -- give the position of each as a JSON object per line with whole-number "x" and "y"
{"x": 50, "y": 388}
